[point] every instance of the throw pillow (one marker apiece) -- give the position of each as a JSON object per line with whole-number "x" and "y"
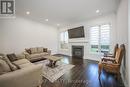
{"x": 44, "y": 49}
{"x": 11, "y": 65}
{"x": 40, "y": 49}
{"x": 12, "y": 57}
{"x": 28, "y": 51}
{"x": 4, "y": 67}
{"x": 33, "y": 50}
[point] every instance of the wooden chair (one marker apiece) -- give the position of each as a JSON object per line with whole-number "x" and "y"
{"x": 114, "y": 53}
{"x": 112, "y": 65}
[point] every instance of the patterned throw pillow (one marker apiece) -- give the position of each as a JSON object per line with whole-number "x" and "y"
{"x": 4, "y": 67}
{"x": 28, "y": 51}
{"x": 44, "y": 49}
{"x": 12, "y": 57}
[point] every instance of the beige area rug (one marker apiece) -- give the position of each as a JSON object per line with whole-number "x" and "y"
{"x": 52, "y": 74}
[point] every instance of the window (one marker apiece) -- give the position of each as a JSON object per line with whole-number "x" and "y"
{"x": 94, "y": 38}
{"x": 64, "y": 40}
{"x": 100, "y": 38}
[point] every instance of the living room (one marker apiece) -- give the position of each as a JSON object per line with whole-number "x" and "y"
{"x": 70, "y": 35}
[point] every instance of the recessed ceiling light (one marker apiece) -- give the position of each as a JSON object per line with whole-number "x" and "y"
{"x": 58, "y": 24}
{"x": 97, "y": 11}
{"x": 46, "y": 20}
{"x": 27, "y": 12}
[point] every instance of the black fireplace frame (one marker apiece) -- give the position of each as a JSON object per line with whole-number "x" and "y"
{"x": 77, "y": 47}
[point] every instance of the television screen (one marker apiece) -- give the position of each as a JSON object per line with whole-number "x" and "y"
{"x": 76, "y": 32}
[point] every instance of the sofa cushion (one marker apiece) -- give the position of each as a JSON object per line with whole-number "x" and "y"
{"x": 12, "y": 57}
{"x": 26, "y": 65}
{"x": 35, "y": 55}
{"x": 33, "y": 50}
{"x": 40, "y": 49}
{"x": 38, "y": 55}
{"x": 4, "y": 67}
{"x": 43, "y": 54}
{"x": 21, "y": 61}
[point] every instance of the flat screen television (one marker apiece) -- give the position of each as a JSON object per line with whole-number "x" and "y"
{"x": 77, "y": 32}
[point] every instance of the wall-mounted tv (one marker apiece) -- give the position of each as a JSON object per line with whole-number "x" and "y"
{"x": 77, "y": 32}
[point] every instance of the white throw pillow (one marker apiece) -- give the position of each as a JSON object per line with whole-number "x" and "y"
{"x": 4, "y": 67}
{"x": 33, "y": 50}
{"x": 40, "y": 49}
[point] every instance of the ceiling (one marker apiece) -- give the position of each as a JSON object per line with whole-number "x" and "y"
{"x": 64, "y": 12}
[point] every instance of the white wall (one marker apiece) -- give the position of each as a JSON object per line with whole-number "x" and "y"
{"x": 122, "y": 35}
{"x": 20, "y": 33}
{"x": 110, "y": 18}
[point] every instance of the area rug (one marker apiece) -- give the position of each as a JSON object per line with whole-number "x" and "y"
{"x": 52, "y": 74}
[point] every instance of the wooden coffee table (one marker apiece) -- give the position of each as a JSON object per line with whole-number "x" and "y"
{"x": 52, "y": 60}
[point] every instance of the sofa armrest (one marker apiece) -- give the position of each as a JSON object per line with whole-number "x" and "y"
{"x": 108, "y": 59}
{"x": 27, "y": 55}
{"x": 26, "y": 77}
{"x": 49, "y": 52}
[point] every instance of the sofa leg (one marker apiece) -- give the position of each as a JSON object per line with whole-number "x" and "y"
{"x": 118, "y": 76}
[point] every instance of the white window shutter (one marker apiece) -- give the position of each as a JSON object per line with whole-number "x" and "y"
{"x": 100, "y": 38}
{"x": 105, "y": 34}
{"x": 94, "y": 35}
{"x": 64, "y": 40}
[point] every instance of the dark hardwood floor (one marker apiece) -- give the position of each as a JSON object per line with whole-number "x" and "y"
{"x": 84, "y": 74}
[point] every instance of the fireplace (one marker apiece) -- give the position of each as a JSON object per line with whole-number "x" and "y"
{"x": 78, "y": 51}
